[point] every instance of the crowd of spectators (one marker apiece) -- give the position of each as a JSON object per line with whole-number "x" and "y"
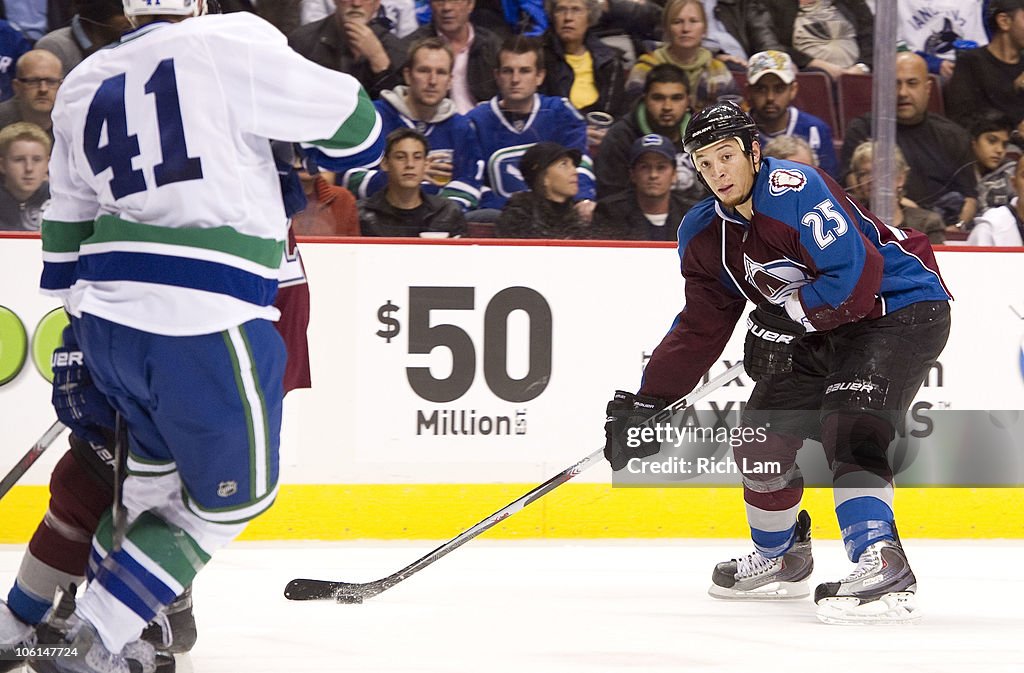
{"x": 565, "y": 118}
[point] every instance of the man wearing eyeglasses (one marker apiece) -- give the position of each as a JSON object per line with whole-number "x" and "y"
{"x": 38, "y": 74}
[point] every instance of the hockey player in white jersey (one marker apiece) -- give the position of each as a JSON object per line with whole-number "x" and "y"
{"x": 164, "y": 238}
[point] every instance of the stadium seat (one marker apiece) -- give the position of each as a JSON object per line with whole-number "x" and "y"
{"x": 480, "y": 229}
{"x": 854, "y": 93}
{"x": 814, "y": 96}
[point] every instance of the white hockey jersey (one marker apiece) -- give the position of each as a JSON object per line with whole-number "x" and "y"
{"x": 166, "y": 210}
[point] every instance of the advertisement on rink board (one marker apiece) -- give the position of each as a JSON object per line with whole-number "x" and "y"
{"x": 443, "y": 363}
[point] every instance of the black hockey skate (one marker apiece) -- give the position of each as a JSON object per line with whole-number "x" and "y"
{"x": 755, "y": 577}
{"x": 881, "y": 590}
{"x": 175, "y": 630}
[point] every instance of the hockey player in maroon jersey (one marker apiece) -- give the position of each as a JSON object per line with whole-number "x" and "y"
{"x": 850, "y": 315}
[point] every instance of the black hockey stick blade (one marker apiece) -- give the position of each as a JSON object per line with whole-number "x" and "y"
{"x": 318, "y": 590}
{"x": 30, "y": 457}
{"x": 346, "y": 592}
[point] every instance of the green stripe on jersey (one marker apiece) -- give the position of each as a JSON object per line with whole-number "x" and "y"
{"x": 356, "y": 128}
{"x": 61, "y": 236}
{"x": 263, "y": 251}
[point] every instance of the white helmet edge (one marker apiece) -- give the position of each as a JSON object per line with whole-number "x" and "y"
{"x": 167, "y": 7}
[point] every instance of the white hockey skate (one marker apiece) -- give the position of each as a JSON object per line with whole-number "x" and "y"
{"x": 882, "y": 589}
{"x": 65, "y": 628}
{"x": 755, "y": 577}
{"x": 13, "y": 632}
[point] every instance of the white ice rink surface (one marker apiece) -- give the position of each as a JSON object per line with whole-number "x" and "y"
{"x": 496, "y": 607}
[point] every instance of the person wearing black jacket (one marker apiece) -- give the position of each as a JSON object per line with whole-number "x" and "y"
{"x": 356, "y": 41}
{"x": 472, "y": 44}
{"x": 665, "y": 110}
{"x": 403, "y": 209}
{"x": 571, "y": 50}
{"x": 649, "y": 210}
{"x": 750, "y": 23}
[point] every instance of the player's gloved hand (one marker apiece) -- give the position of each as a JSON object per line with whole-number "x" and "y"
{"x": 771, "y": 335}
{"x": 625, "y": 411}
{"x": 78, "y": 402}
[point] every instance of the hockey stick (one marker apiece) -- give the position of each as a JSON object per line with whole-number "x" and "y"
{"x": 119, "y": 513}
{"x": 30, "y": 458}
{"x": 346, "y": 592}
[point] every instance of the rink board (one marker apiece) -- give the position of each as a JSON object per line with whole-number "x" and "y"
{"x": 514, "y": 351}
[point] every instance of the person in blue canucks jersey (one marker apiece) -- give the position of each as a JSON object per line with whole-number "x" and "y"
{"x": 850, "y": 316}
{"x": 12, "y": 45}
{"x": 455, "y": 167}
{"x": 511, "y": 122}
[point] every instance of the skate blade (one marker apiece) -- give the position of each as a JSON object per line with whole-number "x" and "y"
{"x": 892, "y": 608}
{"x": 775, "y": 591}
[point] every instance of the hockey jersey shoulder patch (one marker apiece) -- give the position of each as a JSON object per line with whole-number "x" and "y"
{"x": 782, "y": 180}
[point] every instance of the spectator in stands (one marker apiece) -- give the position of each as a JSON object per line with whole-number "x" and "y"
{"x": 35, "y": 18}
{"x": 508, "y": 124}
{"x": 355, "y": 40}
{"x": 991, "y": 78}
{"x": 685, "y": 25}
{"x": 511, "y": 17}
{"x": 24, "y": 162}
{"x": 738, "y": 28}
{"x": 581, "y": 67}
{"x": 403, "y": 208}
{"x": 96, "y": 24}
{"x": 12, "y": 45}
{"x": 649, "y": 210}
{"x": 1002, "y": 225}
{"x": 665, "y": 110}
{"x": 454, "y": 164}
{"x": 793, "y": 148}
{"x": 771, "y": 88}
{"x": 937, "y": 150}
{"x": 546, "y": 209}
{"x": 907, "y": 213}
{"x": 38, "y": 74}
{"x": 936, "y": 29}
{"x": 832, "y": 36}
{"x": 401, "y": 14}
{"x": 995, "y": 160}
{"x": 475, "y": 48}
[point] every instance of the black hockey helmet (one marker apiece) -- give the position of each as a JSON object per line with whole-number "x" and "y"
{"x": 718, "y": 122}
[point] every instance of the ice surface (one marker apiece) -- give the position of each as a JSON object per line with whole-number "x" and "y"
{"x": 555, "y": 607}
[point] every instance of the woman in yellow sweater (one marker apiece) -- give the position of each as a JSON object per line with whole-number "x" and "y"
{"x": 684, "y": 24}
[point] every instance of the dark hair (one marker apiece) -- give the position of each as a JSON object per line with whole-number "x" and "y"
{"x": 428, "y": 43}
{"x": 521, "y": 44}
{"x": 997, "y": 7}
{"x": 666, "y": 73}
{"x": 398, "y": 135}
{"x": 98, "y": 10}
{"x": 990, "y": 121}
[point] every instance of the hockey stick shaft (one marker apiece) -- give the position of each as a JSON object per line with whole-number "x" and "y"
{"x": 308, "y": 589}
{"x": 30, "y": 458}
{"x": 119, "y": 513}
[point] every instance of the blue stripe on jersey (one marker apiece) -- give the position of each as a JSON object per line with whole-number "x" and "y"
{"x": 58, "y": 275}
{"x": 194, "y": 274}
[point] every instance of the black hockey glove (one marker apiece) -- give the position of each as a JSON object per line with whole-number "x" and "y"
{"x": 771, "y": 335}
{"x": 626, "y": 411}
{"x": 78, "y": 402}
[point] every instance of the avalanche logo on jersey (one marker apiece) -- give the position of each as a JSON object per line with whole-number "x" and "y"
{"x": 777, "y": 279}
{"x": 783, "y": 180}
